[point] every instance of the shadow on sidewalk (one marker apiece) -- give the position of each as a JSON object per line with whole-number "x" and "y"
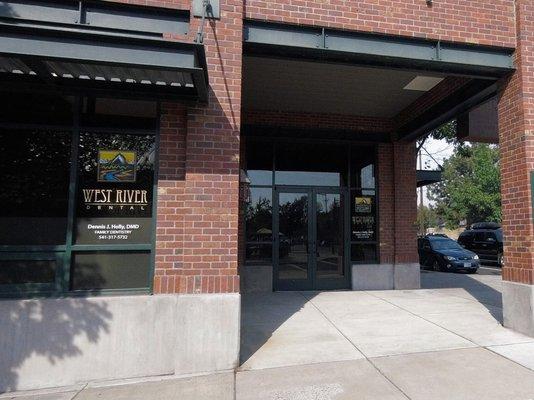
{"x": 262, "y": 314}
{"x": 486, "y": 294}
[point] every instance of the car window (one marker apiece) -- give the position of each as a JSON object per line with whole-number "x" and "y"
{"x": 445, "y": 244}
{"x": 480, "y": 236}
{"x": 465, "y": 236}
{"x": 490, "y": 237}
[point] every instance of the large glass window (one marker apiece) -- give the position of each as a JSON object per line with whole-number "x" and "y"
{"x": 259, "y": 163}
{"x": 258, "y": 225}
{"x": 115, "y": 188}
{"x": 35, "y": 166}
{"x": 311, "y": 164}
{"x": 76, "y": 198}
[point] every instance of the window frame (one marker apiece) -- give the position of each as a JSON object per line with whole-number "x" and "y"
{"x": 64, "y": 253}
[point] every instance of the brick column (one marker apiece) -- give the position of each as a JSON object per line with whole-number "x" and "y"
{"x": 169, "y": 272}
{"x": 211, "y": 194}
{"x": 198, "y": 188}
{"x": 386, "y": 204}
{"x": 406, "y": 271}
{"x": 516, "y": 138}
{"x": 405, "y": 202}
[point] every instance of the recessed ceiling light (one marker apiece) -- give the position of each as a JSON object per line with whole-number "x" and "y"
{"x": 423, "y": 83}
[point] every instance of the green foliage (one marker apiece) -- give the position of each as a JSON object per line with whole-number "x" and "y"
{"x": 446, "y": 132}
{"x": 426, "y": 218}
{"x": 470, "y": 186}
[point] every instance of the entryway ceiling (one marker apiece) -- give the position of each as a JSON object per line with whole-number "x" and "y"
{"x": 277, "y": 84}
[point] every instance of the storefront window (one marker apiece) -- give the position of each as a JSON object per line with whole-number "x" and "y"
{"x": 259, "y": 163}
{"x": 115, "y": 188}
{"x": 363, "y": 212}
{"x": 77, "y": 218}
{"x": 23, "y": 271}
{"x": 362, "y": 172}
{"x": 35, "y": 166}
{"x": 311, "y": 164}
{"x": 110, "y": 270}
{"x": 258, "y": 225}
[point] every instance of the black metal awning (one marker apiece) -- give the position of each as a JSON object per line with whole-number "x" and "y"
{"x": 427, "y": 177}
{"x": 74, "y": 59}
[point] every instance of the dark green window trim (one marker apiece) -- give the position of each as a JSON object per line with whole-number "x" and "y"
{"x": 62, "y": 253}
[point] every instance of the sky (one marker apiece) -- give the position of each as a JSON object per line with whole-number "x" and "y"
{"x": 440, "y": 150}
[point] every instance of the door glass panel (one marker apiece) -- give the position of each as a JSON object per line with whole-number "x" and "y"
{"x": 329, "y": 214}
{"x": 293, "y": 236}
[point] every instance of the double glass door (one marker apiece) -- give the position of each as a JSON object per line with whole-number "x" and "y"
{"x": 310, "y": 251}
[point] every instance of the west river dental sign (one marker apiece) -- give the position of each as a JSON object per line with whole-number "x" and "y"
{"x": 114, "y": 207}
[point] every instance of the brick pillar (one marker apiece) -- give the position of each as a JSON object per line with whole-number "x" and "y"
{"x": 386, "y": 204}
{"x": 516, "y": 138}
{"x": 211, "y": 194}
{"x": 399, "y": 261}
{"x": 406, "y": 270}
{"x": 168, "y": 274}
{"x": 405, "y": 202}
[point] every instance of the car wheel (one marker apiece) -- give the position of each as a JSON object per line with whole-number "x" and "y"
{"x": 436, "y": 266}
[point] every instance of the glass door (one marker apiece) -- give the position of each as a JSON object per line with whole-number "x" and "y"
{"x": 310, "y": 250}
{"x": 293, "y": 243}
{"x": 329, "y": 232}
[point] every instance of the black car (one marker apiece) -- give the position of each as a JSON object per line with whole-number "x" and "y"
{"x": 444, "y": 254}
{"x": 486, "y": 241}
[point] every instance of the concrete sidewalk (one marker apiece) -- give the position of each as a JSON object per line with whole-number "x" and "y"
{"x": 442, "y": 342}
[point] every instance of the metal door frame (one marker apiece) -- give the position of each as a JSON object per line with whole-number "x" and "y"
{"x": 311, "y": 283}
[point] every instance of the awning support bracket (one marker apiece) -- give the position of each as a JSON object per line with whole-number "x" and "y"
{"x": 207, "y": 12}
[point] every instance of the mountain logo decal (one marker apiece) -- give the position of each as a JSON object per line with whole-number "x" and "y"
{"x": 116, "y": 165}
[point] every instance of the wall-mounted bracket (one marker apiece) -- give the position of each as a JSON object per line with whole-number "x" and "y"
{"x": 212, "y": 9}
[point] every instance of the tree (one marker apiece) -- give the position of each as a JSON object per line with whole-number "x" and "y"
{"x": 470, "y": 186}
{"x": 446, "y": 132}
{"x": 426, "y": 218}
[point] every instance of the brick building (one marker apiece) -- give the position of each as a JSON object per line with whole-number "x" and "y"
{"x": 149, "y": 154}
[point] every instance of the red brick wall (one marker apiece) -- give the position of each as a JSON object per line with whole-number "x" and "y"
{"x": 169, "y": 275}
{"x": 488, "y": 22}
{"x": 197, "y": 234}
{"x": 405, "y": 198}
{"x": 317, "y": 121}
{"x": 516, "y": 138}
{"x": 386, "y": 203}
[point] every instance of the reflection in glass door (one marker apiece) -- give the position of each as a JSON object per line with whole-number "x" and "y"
{"x": 293, "y": 239}
{"x": 310, "y": 251}
{"x": 329, "y": 235}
